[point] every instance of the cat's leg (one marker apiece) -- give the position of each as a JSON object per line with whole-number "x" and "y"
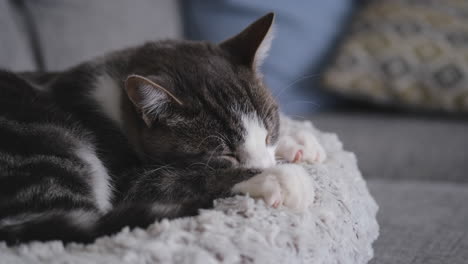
{"x": 297, "y": 143}
{"x": 286, "y": 184}
{"x": 196, "y": 185}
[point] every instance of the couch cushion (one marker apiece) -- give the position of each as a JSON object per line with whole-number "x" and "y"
{"x": 397, "y": 146}
{"x": 408, "y": 53}
{"x": 15, "y": 52}
{"x": 421, "y": 222}
{"x": 72, "y": 31}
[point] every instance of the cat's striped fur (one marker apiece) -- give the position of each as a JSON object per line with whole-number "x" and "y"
{"x": 151, "y": 132}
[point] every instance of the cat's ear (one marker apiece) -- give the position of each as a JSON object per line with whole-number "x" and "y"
{"x": 251, "y": 46}
{"x": 149, "y": 96}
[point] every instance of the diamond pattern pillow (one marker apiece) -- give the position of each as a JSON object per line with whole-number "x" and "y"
{"x": 406, "y": 52}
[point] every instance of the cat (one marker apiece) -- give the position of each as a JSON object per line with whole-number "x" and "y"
{"x": 146, "y": 133}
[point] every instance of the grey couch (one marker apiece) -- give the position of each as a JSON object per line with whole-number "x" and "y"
{"x": 416, "y": 165}
{"x": 417, "y": 170}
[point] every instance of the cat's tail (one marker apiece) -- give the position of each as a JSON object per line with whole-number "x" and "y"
{"x": 84, "y": 226}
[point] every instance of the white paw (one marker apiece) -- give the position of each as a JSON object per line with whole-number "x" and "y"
{"x": 297, "y": 143}
{"x": 286, "y": 184}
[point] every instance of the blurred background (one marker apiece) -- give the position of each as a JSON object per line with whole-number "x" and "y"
{"x": 390, "y": 77}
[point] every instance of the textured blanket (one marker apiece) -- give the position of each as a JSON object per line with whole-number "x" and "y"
{"x": 339, "y": 227}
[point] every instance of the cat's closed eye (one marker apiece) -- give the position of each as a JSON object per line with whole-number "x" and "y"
{"x": 231, "y": 157}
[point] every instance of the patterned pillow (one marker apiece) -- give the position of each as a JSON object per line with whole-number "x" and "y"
{"x": 406, "y": 52}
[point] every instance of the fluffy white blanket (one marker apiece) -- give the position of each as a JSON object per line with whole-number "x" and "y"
{"x": 339, "y": 227}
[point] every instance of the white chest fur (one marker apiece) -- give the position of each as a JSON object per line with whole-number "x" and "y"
{"x": 107, "y": 94}
{"x": 98, "y": 177}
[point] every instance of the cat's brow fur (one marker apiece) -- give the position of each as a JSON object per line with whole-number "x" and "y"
{"x": 89, "y": 150}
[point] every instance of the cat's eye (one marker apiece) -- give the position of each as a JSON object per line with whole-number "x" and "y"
{"x": 267, "y": 140}
{"x": 231, "y": 157}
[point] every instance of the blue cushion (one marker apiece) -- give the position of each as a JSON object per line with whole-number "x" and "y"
{"x": 305, "y": 30}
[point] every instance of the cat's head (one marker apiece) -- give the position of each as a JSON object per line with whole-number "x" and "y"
{"x": 203, "y": 98}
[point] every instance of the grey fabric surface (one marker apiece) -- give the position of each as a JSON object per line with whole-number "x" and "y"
{"x": 15, "y": 51}
{"x": 421, "y": 222}
{"x": 71, "y": 31}
{"x": 403, "y": 147}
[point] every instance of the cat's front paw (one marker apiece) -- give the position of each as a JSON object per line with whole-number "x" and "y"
{"x": 297, "y": 143}
{"x": 286, "y": 184}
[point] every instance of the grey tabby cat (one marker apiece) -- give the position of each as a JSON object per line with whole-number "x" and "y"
{"x": 151, "y": 132}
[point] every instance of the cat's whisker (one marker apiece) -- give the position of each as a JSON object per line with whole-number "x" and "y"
{"x": 315, "y": 105}
{"x": 224, "y": 138}
{"x": 168, "y": 166}
{"x": 201, "y": 163}
{"x": 212, "y": 153}
{"x": 289, "y": 86}
{"x": 203, "y": 140}
{"x": 302, "y": 118}
{"x": 210, "y": 136}
{"x": 267, "y": 106}
{"x": 305, "y": 102}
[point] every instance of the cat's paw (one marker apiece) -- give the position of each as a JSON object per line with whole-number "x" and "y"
{"x": 286, "y": 184}
{"x": 297, "y": 143}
